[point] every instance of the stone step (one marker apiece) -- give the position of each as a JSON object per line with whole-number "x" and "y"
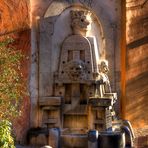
{"x": 51, "y": 121}
{"x": 74, "y": 141}
{"x": 100, "y": 102}
{"x": 50, "y": 101}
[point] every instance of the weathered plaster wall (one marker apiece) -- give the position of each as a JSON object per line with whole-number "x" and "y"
{"x": 137, "y": 69}
{"x": 14, "y": 15}
{"x": 137, "y": 62}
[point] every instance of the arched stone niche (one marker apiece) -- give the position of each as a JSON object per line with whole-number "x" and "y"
{"x": 54, "y": 28}
{"x": 63, "y": 18}
{"x": 106, "y": 16}
{"x": 53, "y": 34}
{"x": 106, "y": 23}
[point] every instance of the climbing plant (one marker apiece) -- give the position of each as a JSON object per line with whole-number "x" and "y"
{"x": 12, "y": 88}
{"x": 6, "y": 140}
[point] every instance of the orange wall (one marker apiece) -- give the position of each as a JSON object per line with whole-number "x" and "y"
{"x": 14, "y": 15}
{"x": 136, "y": 108}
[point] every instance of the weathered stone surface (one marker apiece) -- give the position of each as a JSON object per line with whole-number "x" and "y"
{"x": 110, "y": 21}
{"x": 74, "y": 140}
{"x": 45, "y": 74}
{"x": 68, "y": 67}
{"x": 79, "y": 22}
{"x": 41, "y": 139}
{"x": 76, "y": 62}
{"x": 137, "y": 59}
{"x": 14, "y": 15}
{"x": 50, "y": 101}
{"x": 54, "y": 137}
{"x": 46, "y": 146}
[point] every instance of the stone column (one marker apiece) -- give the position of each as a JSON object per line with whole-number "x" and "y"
{"x": 34, "y": 76}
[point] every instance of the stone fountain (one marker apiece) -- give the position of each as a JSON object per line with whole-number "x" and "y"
{"x": 79, "y": 112}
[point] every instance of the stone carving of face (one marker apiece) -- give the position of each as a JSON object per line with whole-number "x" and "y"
{"x": 103, "y": 67}
{"x": 76, "y": 70}
{"x": 79, "y": 21}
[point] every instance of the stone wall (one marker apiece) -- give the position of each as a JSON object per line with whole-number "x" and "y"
{"x": 137, "y": 68}
{"x": 137, "y": 62}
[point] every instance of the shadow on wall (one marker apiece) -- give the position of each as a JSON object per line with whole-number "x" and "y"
{"x": 137, "y": 64}
{"x": 21, "y": 124}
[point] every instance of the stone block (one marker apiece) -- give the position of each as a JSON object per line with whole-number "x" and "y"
{"x": 54, "y": 137}
{"x": 74, "y": 140}
{"x": 41, "y": 139}
{"x": 50, "y": 101}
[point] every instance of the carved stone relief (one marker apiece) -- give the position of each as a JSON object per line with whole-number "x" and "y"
{"x": 68, "y": 100}
{"x": 83, "y": 2}
{"x": 76, "y": 70}
{"x": 76, "y": 63}
{"x": 79, "y": 21}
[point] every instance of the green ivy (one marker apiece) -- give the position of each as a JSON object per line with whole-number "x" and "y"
{"x": 12, "y": 89}
{"x": 6, "y": 140}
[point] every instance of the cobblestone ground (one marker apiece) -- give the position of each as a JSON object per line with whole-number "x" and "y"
{"x": 141, "y": 138}
{"x": 141, "y": 132}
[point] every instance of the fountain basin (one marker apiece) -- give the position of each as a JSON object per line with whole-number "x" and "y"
{"x": 111, "y": 139}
